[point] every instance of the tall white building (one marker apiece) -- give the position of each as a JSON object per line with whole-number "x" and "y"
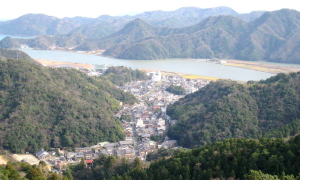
{"x": 155, "y": 76}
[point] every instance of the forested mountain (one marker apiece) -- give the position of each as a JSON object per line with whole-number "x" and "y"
{"x": 37, "y": 24}
{"x": 43, "y": 107}
{"x": 40, "y": 24}
{"x": 183, "y": 17}
{"x": 227, "y": 109}
{"x": 14, "y": 54}
{"x": 231, "y": 158}
{"x": 275, "y": 36}
{"x": 44, "y": 42}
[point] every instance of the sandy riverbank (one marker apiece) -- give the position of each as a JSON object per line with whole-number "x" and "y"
{"x": 59, "y": 63}
{"x": 230, "y": 62}
{"x": 260, "y": 67}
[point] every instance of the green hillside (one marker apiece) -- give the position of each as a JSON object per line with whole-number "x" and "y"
{"x": 267, "y": 159}
{"x": 275, "y": 37}
{"x": 227, "y": 109}
{"x": 43, "y": 107}
{"x": 14, "y": 54}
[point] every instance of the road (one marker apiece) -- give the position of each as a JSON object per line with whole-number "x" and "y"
{"x": 135, "y": 135}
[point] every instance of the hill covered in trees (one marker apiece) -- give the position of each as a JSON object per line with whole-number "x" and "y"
{"x": 121, "y": 75}
{"x": 14, "y": 54}
{"x": 227, "y": 109}
{"x": 275, "y": 36}
{"x": 43, "y": 107}
{"x": 231, "y": 158}
{"x": 178, "y": 90}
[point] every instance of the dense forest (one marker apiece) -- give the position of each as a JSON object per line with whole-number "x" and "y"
{"x": 232, "y": 158}
{"x": 42, "y": 107}
{"x": 121, "y": 75}
{"x": 177, "y": 90}
{"x": 228, "y": 109}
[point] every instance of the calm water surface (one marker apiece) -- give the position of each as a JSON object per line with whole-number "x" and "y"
{"x": 175, "y": 65}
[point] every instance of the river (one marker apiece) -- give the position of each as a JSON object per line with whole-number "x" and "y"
{"x": 175, "y": 65}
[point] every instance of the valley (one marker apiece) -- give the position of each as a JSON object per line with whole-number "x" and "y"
{"x": 185, "y": 94}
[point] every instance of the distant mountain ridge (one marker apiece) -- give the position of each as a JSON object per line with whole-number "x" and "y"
{"x": 40, "y": 24}
{"x": 37, "y": 24}
{"x": 275, "y": 37}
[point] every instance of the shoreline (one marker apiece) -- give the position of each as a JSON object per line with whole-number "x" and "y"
{"x": 252, "y": 65}
{"x": 49, "y": 63}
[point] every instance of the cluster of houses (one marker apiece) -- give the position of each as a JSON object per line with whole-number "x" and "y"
{"x": 145, "y": 121}
{"x": 148, "y": 118}
{"x": 89, "y": 154}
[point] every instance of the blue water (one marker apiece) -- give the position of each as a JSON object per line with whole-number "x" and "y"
{"x": 174, "y": 65}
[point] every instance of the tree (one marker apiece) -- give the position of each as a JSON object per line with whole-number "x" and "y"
{"x": 35, "y": 174}
{"x": 53, "y": 176}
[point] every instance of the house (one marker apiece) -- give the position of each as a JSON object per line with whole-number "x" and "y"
{"x": 88, "y": 155}
{"x": 79, "y": 156}
{"x": 169, "y": 144}
{"x": 121, "y": 152}
{"x": 84, "y": 149}
{"x": 111, "y": 145}
{"x": 43, "y": 154}
{"x": 130, "y": 153}
{"x": 95, "y": 147}
{"x": 61, "y": 165}
{"x": 153, "y": 145}
{"x": 89, "y": 163}
{"x": 123, "y": 143}
{"x": 71, "y": 155}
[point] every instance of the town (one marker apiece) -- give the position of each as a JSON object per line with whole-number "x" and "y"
{"x": 145, "y": 123}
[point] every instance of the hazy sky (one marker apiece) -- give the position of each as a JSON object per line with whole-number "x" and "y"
{"x": 93, "y": 8}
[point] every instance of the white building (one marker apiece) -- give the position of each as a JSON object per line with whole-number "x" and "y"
{"x": 155, "y": 76}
